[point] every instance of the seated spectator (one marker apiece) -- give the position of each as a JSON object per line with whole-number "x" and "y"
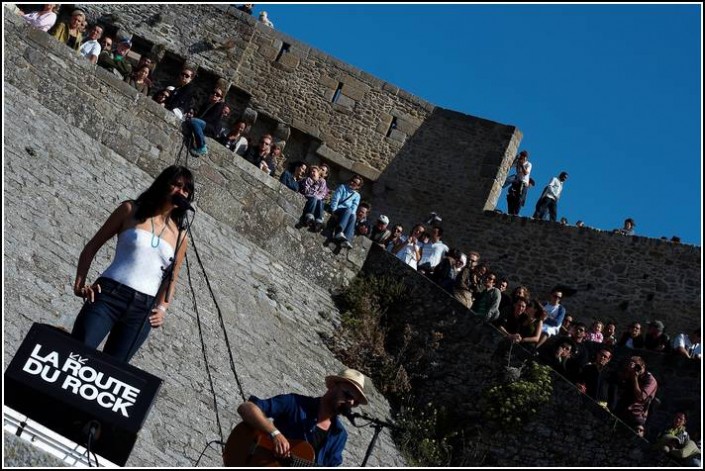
{"x": 433, "y": 251}
{"x": 511, "y": 321}
{"x": 293, "y": 175}
{"x": 632, "y": 338}
{"x": 362, "y": 225}
{"x": 656, "y": 340}
{"x": 118, "y": 63}
{"x": 149, "y": 61}
{"x": 235, "y": 140}
{"x": 609, "y": 337}
{"x": 277, "y": 156}
{"x": 595, "y": 332}
{"x": 408, "y": 249}
{"x": 260, "y": 155}
{"x": 395, "y": 238}
{"x": 263, "y": 18}
{"x": 506, "y": 300}
{"x": 106, "y": 49}
{"x": 208, "y": 116}
{"x": 162, "y": 96}
{"x": 593, "y": 379}
{"x": 631, "y": 391}
{"x": 379, "y": 233}
{"x": 43, "y": 19}
{"x": 531, "y": 328}
{"x": 139, "y": 80}
{"x": 313, "y": 188}
{"x": 628, "y": 228}
{"x": 579, "y": 356}
{"x": 70, "y": 33}
{"x": 688, "y": 345}
{"x": 181, "y": 100}
{"x": 486, "y": 304}
{"x": 343, "y": 205}
{"x": 556, "y": 314}
{"x": 469, "y": 283}
{"x": 91, "y": 47}
{"x": 218, "y": 130}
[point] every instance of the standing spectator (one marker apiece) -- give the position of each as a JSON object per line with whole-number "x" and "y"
{"x": 609, "y": 336}
{"x": 633, "y": 389}
{"x": 656, "y": 340}
{"x": 91, "y": 47}
{"x": 246, "y": 8}
{"x": 688, "y": 346}
{"x": 632, "y": 337}
{"x": 70, "y": 33}
{"x": 236, "y": 140}
{"x": 362, "y": 225}
{"x": 293, "y": 175}
{"x": 379, "y": 233}
{"x": 181, "y": 100}
{"x": 486, "y": 305}
{"x": 263, "y": 18}
{"x": 343, "y": 205}
{"x": 396, "y": 237}
{"x": 549, "y": 198}
{"x": 408, "y": 249}
{"x": 43, "y": 19}
{"x": 628, "y": 228}
{"x": 516, "y": 196}
{"x": 593, "y": 379}
{"x": 433, "y": 251}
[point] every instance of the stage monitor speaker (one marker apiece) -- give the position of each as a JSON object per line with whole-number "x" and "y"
{"x": 71, "y": 389}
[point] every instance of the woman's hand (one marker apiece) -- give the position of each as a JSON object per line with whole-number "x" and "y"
{"x": 86, "y": 292}
{"x": 156, "y": 319}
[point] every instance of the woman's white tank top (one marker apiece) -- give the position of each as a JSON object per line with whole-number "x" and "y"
{"x": 137, "y": 264}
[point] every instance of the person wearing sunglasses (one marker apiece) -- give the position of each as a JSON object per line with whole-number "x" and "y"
{"x": 313, "y": 419}
{"x": 181, "y": 100}
{"x": 206, "y": 121}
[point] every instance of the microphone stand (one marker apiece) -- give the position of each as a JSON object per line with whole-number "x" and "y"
{"x": 378, "y": 425}
{"x": 168, "y": 277}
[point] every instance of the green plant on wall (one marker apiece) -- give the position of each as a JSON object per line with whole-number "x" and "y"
{"x": 417, "y": 438}
{"x": 517, "y": 401}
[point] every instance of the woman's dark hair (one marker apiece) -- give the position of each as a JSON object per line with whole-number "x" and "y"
{"x": 293, "y": 166}
{"x": 149, "y": 202}
{"x": 538, "y": 308}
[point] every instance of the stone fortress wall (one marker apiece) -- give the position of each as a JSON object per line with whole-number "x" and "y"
{"x": 95, "y": 131}
{"x": 289, "y": 86}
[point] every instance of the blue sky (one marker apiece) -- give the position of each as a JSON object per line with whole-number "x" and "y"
{"x": 609, "y": 93}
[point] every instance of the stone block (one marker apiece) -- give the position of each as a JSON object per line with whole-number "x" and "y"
{"x": 282, "y": 132}
{"x": 366, "y": 171}
{"x": 345, "y": 101}
{"x": 329, "y": 82}
{"x": 397, "y": 136}
{"x": 407, "y": 126}
{"x": 392, "y": 89}
{"x": 356, "y": 93}
{"x": 329, "y": 154}
{"x": 268, "y": 52}
{"x": 289, "y": 61}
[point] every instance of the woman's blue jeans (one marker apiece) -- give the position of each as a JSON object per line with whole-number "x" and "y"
{"x": 314, "y": 206}
{"x": 120, "y": 311}
{"x": 198, "y": 126}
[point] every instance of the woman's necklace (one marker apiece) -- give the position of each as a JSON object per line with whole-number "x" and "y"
{"x": 159, "y": 237}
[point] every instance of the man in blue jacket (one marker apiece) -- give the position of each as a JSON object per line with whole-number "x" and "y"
{"x": 343, "y": 205}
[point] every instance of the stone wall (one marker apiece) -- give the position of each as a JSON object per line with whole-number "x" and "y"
{"x": 571, "y": 430}
{"x": 434, "y": 160}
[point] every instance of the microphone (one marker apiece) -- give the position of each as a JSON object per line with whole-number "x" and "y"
{"x": 182, "y": 203}
{"x": 349, "y": 414}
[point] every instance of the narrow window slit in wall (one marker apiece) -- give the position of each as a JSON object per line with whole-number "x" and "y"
{"x": 337, "y": 92}
{"x": 286, "y": 47}
{"x": 392, "y": 126}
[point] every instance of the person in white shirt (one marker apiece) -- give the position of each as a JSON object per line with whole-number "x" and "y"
{"x": 264, "y": 19}
{"x": 520, "y": 181}
{"x": 90, "y": 49}
{"x": 432, "y": 252}
{"x": 549, "y": 198}
{"x": 688, "y": 346}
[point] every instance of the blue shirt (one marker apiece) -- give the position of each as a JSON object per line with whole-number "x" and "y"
{"x": 288, "y": 179}
{"x": 344, "y": 197}
{"x": 296, "y": 416}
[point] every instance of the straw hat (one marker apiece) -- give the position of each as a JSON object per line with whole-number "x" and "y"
{"x": 352, "y": 377}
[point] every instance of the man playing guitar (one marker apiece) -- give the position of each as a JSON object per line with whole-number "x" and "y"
{"x": 313, "y": 419}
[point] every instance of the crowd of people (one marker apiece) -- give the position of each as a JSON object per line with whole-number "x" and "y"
{"x": 542, "y": 326}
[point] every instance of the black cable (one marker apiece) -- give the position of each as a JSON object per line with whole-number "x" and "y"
{"x": 203, "y": 349}
{"x": 220, "y": 442}
{"x": 220, "y": 317}
{"x": 88, "y": 448}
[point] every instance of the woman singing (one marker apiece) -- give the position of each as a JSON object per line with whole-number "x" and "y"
{"x": 124, "y": 295}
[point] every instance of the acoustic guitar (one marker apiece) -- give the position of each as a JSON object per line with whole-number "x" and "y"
{"x": 248, "y": 447}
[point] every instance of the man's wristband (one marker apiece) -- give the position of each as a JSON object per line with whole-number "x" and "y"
{"x": 274, "y": 433}
{"x": 161, "y": 307}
